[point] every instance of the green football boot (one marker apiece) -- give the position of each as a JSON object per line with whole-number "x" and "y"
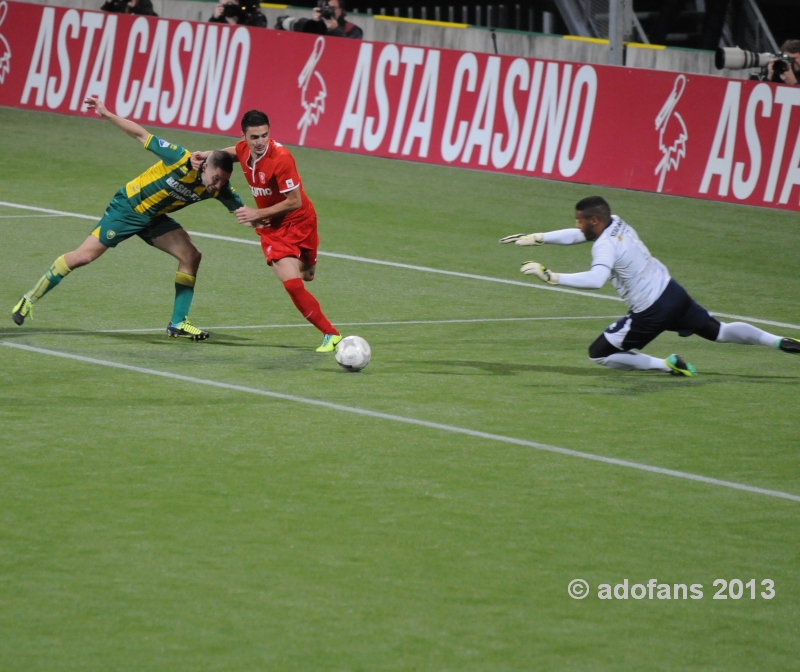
{"x": 680, "y": 367}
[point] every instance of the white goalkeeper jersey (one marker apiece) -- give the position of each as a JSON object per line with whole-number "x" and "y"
{"x": 637, "y": 275}
{"x": 618, "y": 254}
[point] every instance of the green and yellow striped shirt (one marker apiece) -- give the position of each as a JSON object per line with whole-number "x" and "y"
{"x": 172, "y": 183}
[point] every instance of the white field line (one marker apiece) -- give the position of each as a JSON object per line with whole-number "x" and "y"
{"x": 425, "y": 269}
{"x": 27, "y": 216}
{"x": 412, "y": 421}
{"x": 478, "y": 320}
{"x": 48, "y": 210}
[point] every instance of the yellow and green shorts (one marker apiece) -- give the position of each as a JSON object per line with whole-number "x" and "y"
{"x": 120, "y": 221}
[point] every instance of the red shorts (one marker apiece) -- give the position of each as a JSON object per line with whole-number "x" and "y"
{"x": 294, "y": 239}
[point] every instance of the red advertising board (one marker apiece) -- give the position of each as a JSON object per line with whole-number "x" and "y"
{"x": 690, "y": 135}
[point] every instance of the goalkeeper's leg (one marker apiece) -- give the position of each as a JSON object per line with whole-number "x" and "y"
{"x": 632, "y": 361}
{"x": 603, "y": 352}
{"x": 747, "y": 334}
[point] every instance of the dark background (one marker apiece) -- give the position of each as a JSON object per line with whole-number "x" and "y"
{"x": 782, "y": 16}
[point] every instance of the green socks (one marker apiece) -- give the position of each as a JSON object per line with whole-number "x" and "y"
{"x": 54, "y": 275}
{"x": 184, "y": 288}
{"x": 184, "y": 293}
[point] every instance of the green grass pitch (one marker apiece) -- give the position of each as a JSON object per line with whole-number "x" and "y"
{"x": 152, "y": 523}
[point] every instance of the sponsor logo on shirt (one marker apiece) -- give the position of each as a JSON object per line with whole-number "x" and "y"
{"x": 181, "y": 192}
{"x": 261, "y": 191}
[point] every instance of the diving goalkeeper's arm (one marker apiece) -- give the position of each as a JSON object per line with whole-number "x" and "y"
{"x": 560, "y": 237}
{"x": 594, "y": 278}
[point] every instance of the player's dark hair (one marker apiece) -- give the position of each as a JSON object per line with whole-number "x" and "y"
{"x": 595, "y": 206}
{"x": 254, "y": 118}
{"x": 221, "y": 160}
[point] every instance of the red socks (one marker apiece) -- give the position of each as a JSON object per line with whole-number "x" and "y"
{"x": 308, "y": 305}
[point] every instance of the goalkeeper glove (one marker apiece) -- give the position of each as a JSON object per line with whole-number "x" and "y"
{"x": 541, "y": 272}
{"x": 523, "y": 239}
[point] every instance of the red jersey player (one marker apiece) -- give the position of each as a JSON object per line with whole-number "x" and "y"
{"x": 285, "y": 218}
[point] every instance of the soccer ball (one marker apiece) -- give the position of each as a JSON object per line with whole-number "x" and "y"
{"x": 353, "y": 353}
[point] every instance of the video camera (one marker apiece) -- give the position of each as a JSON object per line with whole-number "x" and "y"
{"x": 733, "y": 58}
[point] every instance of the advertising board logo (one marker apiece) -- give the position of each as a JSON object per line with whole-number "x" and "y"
{"x": 672, "y": 133}
{"x": 313, "y": 91}
{"x": 5, "y": 49}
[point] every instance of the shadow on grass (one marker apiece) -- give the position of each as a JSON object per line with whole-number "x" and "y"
{"x": 643, "y": 379}
{"x": 506, "y": 369}
{"x": 151, "y": 338}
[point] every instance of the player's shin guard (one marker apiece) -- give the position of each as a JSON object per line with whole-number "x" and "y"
{"x": 308, "y": 305}
{"x": 631, "y": 361}
{"x": 55, "y": 274}
{"x": 184, "y": 293}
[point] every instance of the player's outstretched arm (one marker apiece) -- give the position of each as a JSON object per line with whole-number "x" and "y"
{"x": 560, "y": 237}
{"x": 594, "y": 278}
{"x": 524, "y": 239}
{"x": 540, "y": 271}
{"x": 131, "y": 128}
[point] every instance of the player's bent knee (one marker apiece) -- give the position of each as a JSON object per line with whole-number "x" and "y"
{"x": 601, "y": 348}
{"x": 192, "y": 257}
{"x": 711, "y": 330}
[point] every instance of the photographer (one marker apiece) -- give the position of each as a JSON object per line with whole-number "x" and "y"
{"x": 244, "y": 13}
{"x": 328, "y": 19}
{"x": 140, "y": 7}
{"x": 779, "y": 70}
{"x": 332, "y": 13}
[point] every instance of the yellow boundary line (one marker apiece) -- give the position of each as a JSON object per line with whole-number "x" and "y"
{"x": 423, "y": 22}
{"x": 578, "y": 38}
{"x": 447, "y": 24}
{"x": 598, "y": 40}
{"x": 639, "y": 45}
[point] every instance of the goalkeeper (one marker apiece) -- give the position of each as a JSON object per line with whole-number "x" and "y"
{"x": 142, "y": 208}
{"x": 656, "y": 303}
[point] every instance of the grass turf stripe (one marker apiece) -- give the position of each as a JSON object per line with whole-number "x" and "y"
{"x": 413, "y": 421}
{"x": 475, "y": 320}
{"x": 426, "y": 269}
